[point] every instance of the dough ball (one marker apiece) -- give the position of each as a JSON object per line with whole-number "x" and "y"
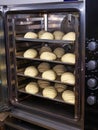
{"x": 48, "y": 56}
{"x": 43, "y": 84}
{"x": 30, "y": 53}
{"x": 31, "y": 71}
{"x": 30, "y": 35}
{"x": 59, "y": 52}
{"x": 58, "y": 35}
{"x": 43, "y": 67}
{"x": 45, "y": 49}
{"x": 40, "y": 33}
{"x": 60, "y": 87}
{"x": 71, "y": 36}
{"x": 68, "y": 96}
{"x": 47, "y": 35}
{"x": 59, "y": 69}
{"x": 49, "y": 75}
{"x": 68, "y": 78}
{"x": 49, "y": 92}
{"x": 68, "y": 58}
{"x": 32, "y": 88}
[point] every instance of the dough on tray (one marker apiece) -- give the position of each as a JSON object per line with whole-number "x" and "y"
{"x": 40, "y": 33}
{"x": 59, "y": 69}
{"x": 30, "y": 35}
{"x": 68, "y": 78}
{"x": 68, "y": 58}
{"x": 45, "y": 49}
{"x": 32, "y": 88}
{"x": 47, "y": 35}
{"x": 49, "y": 92}
{"x": 48, "y": 56}
{"x": 68, "y": 96}
{"x": 43, "y": 67}
{"x": 49, "y": 75}
{"x": 71, "y": 36}
{"x": 31, "y": 71}
{"x": 43, "y": 84}
{"x": 30, "y": 53}
{"x": 59, "y": 52}
{"x": 60, "y": 87}
{"x": 58, "y": 35}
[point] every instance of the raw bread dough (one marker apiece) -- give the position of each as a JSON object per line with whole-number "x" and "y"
{"x": 60, "y": 87}
{"x": 49, "y": 75}
{"x": 49, "y": 92}
{"x": 40, "y": 33}
{"x": 31, "y": 71}
{"x": 43, "y": 84}
{"x": 32, "y": 88}
{"x": 68, "y": 78}
{"x": 68, "y": 58}
{"x": 68, "y": 96}
{"x": 43, "y": 67}
{"x": 71, "y": 36}
{"x": 58, "y": 35}
{"x": 30, "y": 53}
{"x": 59, "y": 69}
{"x": 48, "y": 56}
{"x": 45, "y": 49}
{"x": 59, "y": 52}
{"x": 47, "y": 35}
{"x": 30, "y": 35}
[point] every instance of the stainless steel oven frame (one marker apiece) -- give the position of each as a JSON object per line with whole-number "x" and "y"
{"x": 41, "y": 117}
{"x": 3, "y": 71}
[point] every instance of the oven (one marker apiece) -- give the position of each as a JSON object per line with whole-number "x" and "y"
{"x": 54, "y": 35}
{"x": 46, "y": 49}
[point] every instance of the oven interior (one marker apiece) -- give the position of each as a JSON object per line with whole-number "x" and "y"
{"x": 18, "y": 24}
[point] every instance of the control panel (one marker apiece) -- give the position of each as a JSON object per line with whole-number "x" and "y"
{"x": 91, "y": 72}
